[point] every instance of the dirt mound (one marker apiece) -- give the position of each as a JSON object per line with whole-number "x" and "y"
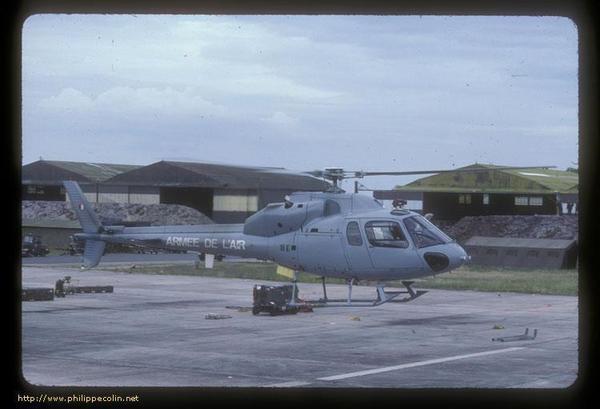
{"x": 534, "y": 227}
{"x": 153, "y": 214}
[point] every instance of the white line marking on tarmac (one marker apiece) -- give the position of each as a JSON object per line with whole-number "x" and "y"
{"x": 290, "y": 384}
{"x": 414, "y": 364}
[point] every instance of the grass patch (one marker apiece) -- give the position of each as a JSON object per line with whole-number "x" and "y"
{"x": 57, "y": 252}
{"x": 476, "y": 278}
{"x": 480, "y": 278}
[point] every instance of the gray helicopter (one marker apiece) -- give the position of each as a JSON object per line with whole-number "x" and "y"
{"x": 329, "y": 234}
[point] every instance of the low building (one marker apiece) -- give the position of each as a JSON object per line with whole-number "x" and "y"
{"x": 519, "y": 252}
{"x": 485, "y": 190}
{"x": 54, "y": 233}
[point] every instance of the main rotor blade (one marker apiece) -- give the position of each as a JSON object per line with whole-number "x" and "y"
{"x": 425, "y": 172}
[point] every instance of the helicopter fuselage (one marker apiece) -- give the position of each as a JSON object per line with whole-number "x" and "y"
{"x": 328, "y": 234}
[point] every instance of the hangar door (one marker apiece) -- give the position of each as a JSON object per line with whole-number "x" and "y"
{"x": 197, "y": 198}
{"x": 41, "y": 192}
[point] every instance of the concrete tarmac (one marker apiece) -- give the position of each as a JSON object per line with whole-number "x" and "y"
{"x": 152, "y": 331}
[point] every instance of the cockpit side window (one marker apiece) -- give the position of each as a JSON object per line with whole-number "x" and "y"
{"x": 423, "y": 233}
{"x": 385, "y": 234}
{"x": 353, "y": 234}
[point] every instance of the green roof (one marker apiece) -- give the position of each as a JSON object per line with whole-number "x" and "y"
{"x": 533, "y": 180}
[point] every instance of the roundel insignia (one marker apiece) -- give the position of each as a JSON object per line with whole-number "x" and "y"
{"x": 81, "y": 207}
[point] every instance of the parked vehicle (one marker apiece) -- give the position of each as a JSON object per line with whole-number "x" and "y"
{"x": 32, "y": 246}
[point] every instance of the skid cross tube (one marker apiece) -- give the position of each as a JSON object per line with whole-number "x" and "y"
{"x": 324, "y": 290}
{"x": 389, "y": 296}
{"x": 382, "y": 296}
{"x": 294, "y": 288}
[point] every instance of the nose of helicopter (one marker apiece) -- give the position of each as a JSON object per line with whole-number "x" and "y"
{"x": 458, "y": 256}
{"x": 447, "y": 257}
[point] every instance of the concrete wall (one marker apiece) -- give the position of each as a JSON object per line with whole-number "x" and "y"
{"x": 267, "y": 196}
{"x": 522, "y": 257}
{"x": 119, "y": 194}
{"x": 234, "y": 206}
{"x": 235, "y": 201}
{"x": 144, "y": 194}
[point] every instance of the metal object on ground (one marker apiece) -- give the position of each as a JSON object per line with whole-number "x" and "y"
{"x": 59, "y": 288}
{"x": 278, "y": 300}
{"x": 90, "y": 289}
{"x": 63, "y": 287}
{"x": 524, "y": 337}
{"x": 216, "y": 316}
{"x": 239, "y": 308}
{"x": 37, "y": 294}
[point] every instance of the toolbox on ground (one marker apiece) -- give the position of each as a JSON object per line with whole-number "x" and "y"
{"x": 37, "y": 294}
{"x": 277, "y": 300}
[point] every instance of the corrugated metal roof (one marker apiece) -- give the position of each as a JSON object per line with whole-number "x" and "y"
{"x": 535, "y": 181}
{"x": 210, "y": 175}
{"x": 94, "y": 171}
{"x": 56, "y": 171}
{"x": 481, "y": 241}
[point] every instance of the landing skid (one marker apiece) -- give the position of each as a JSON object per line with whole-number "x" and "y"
{"x": 389, "y": 296}
{"x": 382, "y": 297}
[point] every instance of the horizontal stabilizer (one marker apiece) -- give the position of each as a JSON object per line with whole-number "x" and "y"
{"x": 94, "y": 249}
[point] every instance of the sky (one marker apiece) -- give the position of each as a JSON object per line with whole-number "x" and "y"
{"x": 377, "y": 93}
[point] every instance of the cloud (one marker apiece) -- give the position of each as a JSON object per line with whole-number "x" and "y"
{"x": 281, "y": 119}
{"x": 137, "y": 101}
{"x": 68, "y": 100}
{"x": 437, "y": 89}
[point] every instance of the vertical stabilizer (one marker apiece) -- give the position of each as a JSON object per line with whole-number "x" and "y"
{"x": 94, "y": 249}
{"x": 82, "y": 208}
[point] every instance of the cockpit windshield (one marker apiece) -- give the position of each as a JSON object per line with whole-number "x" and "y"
{"x": 424, "y": 233}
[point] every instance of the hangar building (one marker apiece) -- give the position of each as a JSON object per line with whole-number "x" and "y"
{"x": 226, "y": 194}
{"x": 42, "y": 180}
{"x": 452, "y": 195}
{"x": 522, "y": 252}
